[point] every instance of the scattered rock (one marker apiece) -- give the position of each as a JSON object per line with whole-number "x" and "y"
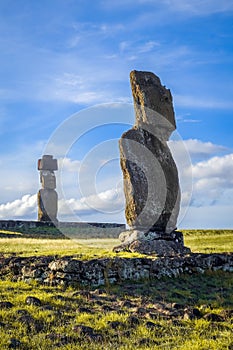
{"x": 33, "y": 301}
{"x": 22, "y": 312}
{"x": 108, "y": 308}
{"x": 191, "y": 314}
{"x": 83, "y": 330}
{"x": 116, "y": 269}
{"x": 30, "y": 323}
{"x": 116, "y": 324}
{"x": 151, "y": 325}
{"x": 6, "y": 305}
{"x": 176, "y": 306}
{"x": 85, "y": 309}
{"x": 127, "y": 303}
{"x": 141, "y": 310}
{"x": 88, "y": 333}
{"x": 227, "y": 313}
{"x": 212, "y": 317}
{"x": 14, "y": 343}
{"x": 133, "y": 321}
{"x": 62, "y": 339}
{"x": 46, "y": 308}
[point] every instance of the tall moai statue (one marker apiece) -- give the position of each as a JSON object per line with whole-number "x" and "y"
{"x": 47, "y": 196}
{"x": 151, "y": 183}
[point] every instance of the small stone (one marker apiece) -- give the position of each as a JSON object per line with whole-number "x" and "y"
{"x": 116, "y": 324}
{"x": 6, "y": 305}
{"x": 212, "y": 317}
{"x": 22, "y": 312}
{"x": 46, "y": 308}
{"x": 177, "y": 306}
{"x": 191, "y": 314}
{"x": 30, "y": 323}
{"x": 96, "y": 337}
{"x": 85, "y": 309}
{"x": 227, "y": 313}
{"x": 88, "y": 332}
{"x": 127, "y": 304}
{"x": 133, "y": 320}
{"x": 141, "y": 310}
{"x": 107, "y": 308}
{"x": 83, "y": 330}
{"x": 150, "y": 325}
{"x": 33, "y": 301}
{"x": 62, "y": 338}
{"x": 14, "y": 343}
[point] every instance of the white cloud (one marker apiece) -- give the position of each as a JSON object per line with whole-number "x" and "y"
{"x": 195, "y": 147}
{"x": 212, "y": 184}
{"x": 22, "y": 208}
{"x": 67, "y": 164}
{"x": 221, "y": 167}
{"x": 213, "y": 181}
{"x": 106, "y": 202}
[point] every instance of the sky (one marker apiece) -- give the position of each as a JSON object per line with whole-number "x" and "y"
{"x": 64, "y": 90}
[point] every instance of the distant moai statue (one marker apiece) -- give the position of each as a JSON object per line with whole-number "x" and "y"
{"x": 47, "y": 196}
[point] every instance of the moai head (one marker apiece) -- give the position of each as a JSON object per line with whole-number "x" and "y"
{"x": 48, "y": 179}
{"x": 153, "y": 104}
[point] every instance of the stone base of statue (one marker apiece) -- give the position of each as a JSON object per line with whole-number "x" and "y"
{"x": 152, "y": 243}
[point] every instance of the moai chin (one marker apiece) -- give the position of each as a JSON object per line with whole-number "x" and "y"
{"x": 151, "y": 183}
{"x": 47, "y": 196}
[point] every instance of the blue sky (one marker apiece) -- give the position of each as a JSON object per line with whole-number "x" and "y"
{"x": 60, "y": 57}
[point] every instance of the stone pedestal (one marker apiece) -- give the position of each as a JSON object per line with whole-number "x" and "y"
{"x": 47, "y": 196}
{"x": 152, "y": 243}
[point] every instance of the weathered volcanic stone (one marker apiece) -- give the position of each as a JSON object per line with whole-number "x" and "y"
{"x": 151, "y": 183}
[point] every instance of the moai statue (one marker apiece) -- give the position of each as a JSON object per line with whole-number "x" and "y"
{"x": 151, "y": 183}
{"x": 47, "y": 196}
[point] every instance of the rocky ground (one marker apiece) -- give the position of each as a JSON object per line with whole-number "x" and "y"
{"x": 143, "y": 315}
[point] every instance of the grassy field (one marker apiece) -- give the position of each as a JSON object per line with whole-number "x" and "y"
{"x": 190, "y": 312}
{"x": 203, "y": 241}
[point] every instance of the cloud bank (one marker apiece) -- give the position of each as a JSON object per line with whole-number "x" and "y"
{"x": 212, "y": 187}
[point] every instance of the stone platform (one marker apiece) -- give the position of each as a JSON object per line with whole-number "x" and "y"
{"x": 152, "y": 243}
{"x": 68, "y": 271}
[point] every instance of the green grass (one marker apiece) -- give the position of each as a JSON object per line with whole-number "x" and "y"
{"x": 203, "y": 241}
{"x": 61, "y": 312}
{"x": 52, "y": 325}
{"x": 209, "y": 241}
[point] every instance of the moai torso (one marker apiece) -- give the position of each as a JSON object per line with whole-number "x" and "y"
{"x": 47, "y": 196}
